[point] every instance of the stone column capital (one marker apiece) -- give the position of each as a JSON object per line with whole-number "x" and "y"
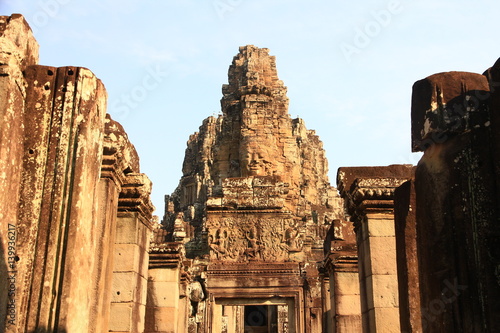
{"x": 370, "y": 190}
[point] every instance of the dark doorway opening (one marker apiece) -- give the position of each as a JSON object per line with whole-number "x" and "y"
{"x": 261, "y": 319}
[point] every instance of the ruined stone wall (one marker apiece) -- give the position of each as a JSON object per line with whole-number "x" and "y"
{"x": 455, "y": 191}
{"x": 66, "y": 168}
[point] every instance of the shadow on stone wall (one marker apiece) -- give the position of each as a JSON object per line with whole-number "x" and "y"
{"x": 3, "y": 287}
{"x": 45, "y": 330}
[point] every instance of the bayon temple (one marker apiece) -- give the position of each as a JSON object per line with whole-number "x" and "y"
{"x": 254, "y": 238}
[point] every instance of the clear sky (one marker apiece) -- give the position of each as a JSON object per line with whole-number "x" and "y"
{"x": 349, "y": 65}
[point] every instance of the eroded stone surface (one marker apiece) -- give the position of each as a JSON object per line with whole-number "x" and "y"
{"x": 63, "y": 168}
{"x": 456, "y": 190}
{"x": 447, "y": 104}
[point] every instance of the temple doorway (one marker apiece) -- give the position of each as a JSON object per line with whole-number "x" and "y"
{"x": 260, "y": 319}
{"x": 244, "y": 316}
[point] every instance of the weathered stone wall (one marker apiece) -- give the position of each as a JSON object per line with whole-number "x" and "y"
{"x": 63, "y": 167}
{"x": 18, "y": 50}
{"x": 456, "y": 188}
{"x": 407, "y": 257}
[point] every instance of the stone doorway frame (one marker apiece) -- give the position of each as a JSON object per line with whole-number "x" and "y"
{"x": 292, "y": 297}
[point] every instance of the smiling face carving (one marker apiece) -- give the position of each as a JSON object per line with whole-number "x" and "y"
{"x": 256, "y": 161}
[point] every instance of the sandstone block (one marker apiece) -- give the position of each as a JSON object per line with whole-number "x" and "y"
{"x": 165, "y": 319}
{"x": 127, "y": 229}
{"x": 163, "y": 275}
{"x": 164, "y": 294}
{"x": 385, "y": 291}
{"x": 447, "y": 104}
{"x": 120, "y": 319}
{"x": 383, "y": 255}
{"x": 348, "y": 324}
{"x": 127, "y": 258}
{"x": 380, "y": 227}
{"x": 387, "y": 320}
{"x": 125, "y": 287}
{"x": 346, "y": 283}
{"x": 348, "y": 305}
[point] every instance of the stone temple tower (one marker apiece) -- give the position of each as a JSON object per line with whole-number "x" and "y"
{"x": 252, "y": 208}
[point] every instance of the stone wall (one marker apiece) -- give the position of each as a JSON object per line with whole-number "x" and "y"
{"x": 66, "y": 168}
{"x": 453, "y": 210}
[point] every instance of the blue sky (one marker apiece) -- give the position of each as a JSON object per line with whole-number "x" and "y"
{"x": 349, "y": 65}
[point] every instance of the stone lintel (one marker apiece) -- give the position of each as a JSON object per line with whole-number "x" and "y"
{"x": 228, "y": 268}
{"x": 243, "y": 275}
{"x": 447, "y": 104}
{"x": 242, "y": 296}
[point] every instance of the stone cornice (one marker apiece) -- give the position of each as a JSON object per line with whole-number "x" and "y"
{"x": 110, "y": 167}
{"x": 341, "y": 263}
{"x": 135, "y": 196}
{"x": 371, "y": 189}
{"x": 374, "y": 188}
{"x": 119, "y": 155}
{"x": 166, "y": 255}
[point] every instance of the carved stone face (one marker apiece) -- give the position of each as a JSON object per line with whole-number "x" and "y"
{"x": 256, "y": 161}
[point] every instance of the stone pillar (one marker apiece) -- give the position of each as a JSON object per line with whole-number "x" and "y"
{"x": 454, "y": 121}
{"x": 405, "y": 207}
{"x": 167, "y": 299}
{"x": 19, "y": 50}
{"x": 57, "y": 227}
{"x": 117, "y": 157}
{"x": 341, "y": 264}
{"x": 58, "y": 196}
{"x": 368, "y": 193}
{"x": 134, "y": 224}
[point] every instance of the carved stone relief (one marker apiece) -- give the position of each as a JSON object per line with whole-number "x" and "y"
{"x": 251, "y": 238}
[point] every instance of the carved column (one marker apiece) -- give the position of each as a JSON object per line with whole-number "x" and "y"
{"x": 368, "y": 194}
{"x": 341, "y": 264}
{"x": 134, "y": 224}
